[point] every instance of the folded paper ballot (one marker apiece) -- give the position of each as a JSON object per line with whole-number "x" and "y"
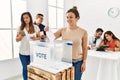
{"x": 50, "y": 36}
{"x": 30, "y": 35}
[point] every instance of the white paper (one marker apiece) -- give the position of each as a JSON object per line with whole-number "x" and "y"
{"x": 50, "y": 36}
{"x": 30, "y": 35}
{"x": 41, "y": 33}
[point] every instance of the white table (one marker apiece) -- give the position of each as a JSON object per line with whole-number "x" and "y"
{"x": 102, "y": 66}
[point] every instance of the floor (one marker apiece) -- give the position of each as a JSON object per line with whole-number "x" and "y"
{"x": 15, "y": 78}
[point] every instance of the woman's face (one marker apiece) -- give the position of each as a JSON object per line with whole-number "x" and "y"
{"x": 71, "y": 18}
{"x": 108, "y": 37}
{"x": 26, "y": 19}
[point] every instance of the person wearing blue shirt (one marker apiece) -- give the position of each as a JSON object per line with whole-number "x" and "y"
{"x": 96, "y": 39}
{"x": 38, "y": 22}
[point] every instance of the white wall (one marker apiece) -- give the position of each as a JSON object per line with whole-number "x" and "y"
{"x": 38, "y": 6}
{"x": 94, "y": 14}
{"x": 67, "y": 5}
{"x": 10, "y": 68}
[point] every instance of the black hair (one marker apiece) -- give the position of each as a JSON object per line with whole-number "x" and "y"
{"x": 23, "y": 24}
{"x": 39, "y": 14}
{"x": 99, "y": 30}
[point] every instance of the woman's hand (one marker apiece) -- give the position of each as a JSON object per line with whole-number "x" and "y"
{"x": 43, "y": 36}
{"x": 109, "y": 49}
{"x": 83, "y": 67}
{"x": 19, "y": 37}
{"x": 93, "y": 45}
{"x": 33, "y": 38}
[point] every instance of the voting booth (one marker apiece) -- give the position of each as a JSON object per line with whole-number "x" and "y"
{"x": 51, "y": 61}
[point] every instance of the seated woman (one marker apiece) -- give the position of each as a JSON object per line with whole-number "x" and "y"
{"x": 110, "y": 40}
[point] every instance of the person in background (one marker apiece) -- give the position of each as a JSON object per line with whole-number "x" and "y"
{"x": 110, "y": 40}
{"x": 78, "y": 36}
{"x": 27, "y": 31}
{"x": 38, "y": 22}
{"x": 95, "y": 40}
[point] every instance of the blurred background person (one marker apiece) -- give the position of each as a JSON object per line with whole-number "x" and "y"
{"x": 110, "y": 40}
{"x": 95, "y": 40}
{"x": 38, "y": 22}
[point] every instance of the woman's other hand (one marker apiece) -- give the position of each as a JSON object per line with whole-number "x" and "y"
{"x": 33, "y": 37}
{"x": 83, "y": 67}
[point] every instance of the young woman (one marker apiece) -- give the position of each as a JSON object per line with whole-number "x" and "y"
{"x": 78, "y": 36}
{"x": 110, "y": 40}
{"x": 27, "y": 31}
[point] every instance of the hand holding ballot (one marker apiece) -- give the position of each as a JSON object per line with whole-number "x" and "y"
{"x": 22, "y": 33}
{"x": 49, "y": 33}
{"x": 46, "y": 28}
{"x": 31, "y": 36}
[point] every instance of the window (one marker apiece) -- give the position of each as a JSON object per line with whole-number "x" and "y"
{"x": 5, "y": 14}
{"x": 18, "y": 7}
{"x": 55, "y": 10}
{"x": 10, "y": 20}
{"x": 5, "y": 45}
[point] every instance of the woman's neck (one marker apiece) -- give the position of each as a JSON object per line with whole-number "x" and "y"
{"x": 111, "y": 40}
{"x": 27, "y": 27}
{"x": 73, "y": 27}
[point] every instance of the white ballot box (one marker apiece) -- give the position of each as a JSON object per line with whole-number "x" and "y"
{"x": 53, "y": 58}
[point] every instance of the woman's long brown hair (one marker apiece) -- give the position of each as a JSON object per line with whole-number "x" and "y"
{"x": 23, "y": 24}
{"x": 109, "y": 33}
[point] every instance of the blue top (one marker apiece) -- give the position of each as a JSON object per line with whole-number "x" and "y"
{"x": 41, "y": 27}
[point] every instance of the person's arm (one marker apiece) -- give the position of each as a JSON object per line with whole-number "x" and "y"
{"x": 85, "y": 50}
{"x": 90, "y": 43}
{"x": 20, "y": 34}
{"x": 107, "y": 48}
{"x": 58, "y": 33}
{"x": 117, "y": 48}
